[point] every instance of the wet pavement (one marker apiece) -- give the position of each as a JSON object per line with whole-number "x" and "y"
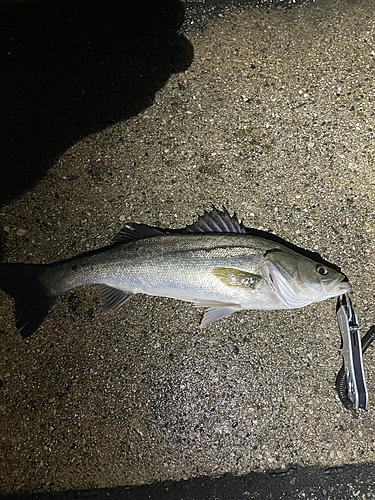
{"x": 273, "y": 119}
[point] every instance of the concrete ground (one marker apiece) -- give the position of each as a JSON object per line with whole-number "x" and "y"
{"x": 274, "y": 119}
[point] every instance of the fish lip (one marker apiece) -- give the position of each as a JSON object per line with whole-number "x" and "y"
{"x": 339, "y": 285}
{"x": 343, "y": 287}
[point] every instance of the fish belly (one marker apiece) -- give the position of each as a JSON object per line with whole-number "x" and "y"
{"x": 175, "y": 266}
{"x": 186, "y": 273}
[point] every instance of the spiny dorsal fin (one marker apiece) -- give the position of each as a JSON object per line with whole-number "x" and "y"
{"x": 216, "y": 222}
{"x": 209, "y": 222}
{"x": 134, "y": 232}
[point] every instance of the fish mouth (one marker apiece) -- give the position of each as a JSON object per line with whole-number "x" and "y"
{"x": 290, "y": 294}
{"x": 339, "y": 286}
{"x": 344, "y": 287}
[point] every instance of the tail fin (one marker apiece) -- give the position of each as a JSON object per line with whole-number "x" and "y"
{"x": 21, "y": 281}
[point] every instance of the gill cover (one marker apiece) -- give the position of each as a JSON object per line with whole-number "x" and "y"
{"x": 299, "y": 281}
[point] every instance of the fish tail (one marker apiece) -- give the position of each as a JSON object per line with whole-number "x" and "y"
{"x": 22, "y": 282}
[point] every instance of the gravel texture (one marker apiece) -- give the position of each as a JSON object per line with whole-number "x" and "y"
{"x": 275, "y": 120}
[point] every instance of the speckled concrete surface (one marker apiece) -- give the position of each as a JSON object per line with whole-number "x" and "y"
{"x": 275, "y": 120}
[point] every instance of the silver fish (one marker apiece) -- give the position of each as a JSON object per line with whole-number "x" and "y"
{"x": 213, "y": 263}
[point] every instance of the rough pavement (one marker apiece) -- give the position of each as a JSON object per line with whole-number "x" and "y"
{"x": 275, "y": 120}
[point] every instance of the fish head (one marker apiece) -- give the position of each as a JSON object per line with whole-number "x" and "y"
{"x": 299, "y": 281}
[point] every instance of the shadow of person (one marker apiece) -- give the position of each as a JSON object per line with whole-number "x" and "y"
{"x": 72, "y": 67}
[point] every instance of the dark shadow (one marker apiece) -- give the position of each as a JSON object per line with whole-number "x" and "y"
{"x": 72, "y": 67}
{"x": 293, "y": 483}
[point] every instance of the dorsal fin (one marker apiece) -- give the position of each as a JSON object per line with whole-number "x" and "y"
{"x": 210, "y": 222}
{"x": 216, "y": 222}
{"x": 134, "y": 232}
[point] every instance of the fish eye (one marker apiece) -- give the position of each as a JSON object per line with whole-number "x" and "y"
{"x": 321, "y": 270}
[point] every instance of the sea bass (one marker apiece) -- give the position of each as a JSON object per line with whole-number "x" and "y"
{"x": 213, "y": 263}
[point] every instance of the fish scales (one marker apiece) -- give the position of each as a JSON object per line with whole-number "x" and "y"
{"x": 213, "y": 263}
{"x": 173, "y": 266}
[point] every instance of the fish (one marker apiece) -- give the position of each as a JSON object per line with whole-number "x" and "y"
{"x": 214, "y": 263}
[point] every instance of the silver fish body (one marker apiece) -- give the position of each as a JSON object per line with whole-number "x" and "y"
{"x": 213, "y": 263}
{"x": 175, "y": 266}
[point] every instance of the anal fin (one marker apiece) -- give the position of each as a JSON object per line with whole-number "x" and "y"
{"x": 112, "y": 298}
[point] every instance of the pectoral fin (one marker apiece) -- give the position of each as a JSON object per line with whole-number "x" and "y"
{"x": 235, "y": 277}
